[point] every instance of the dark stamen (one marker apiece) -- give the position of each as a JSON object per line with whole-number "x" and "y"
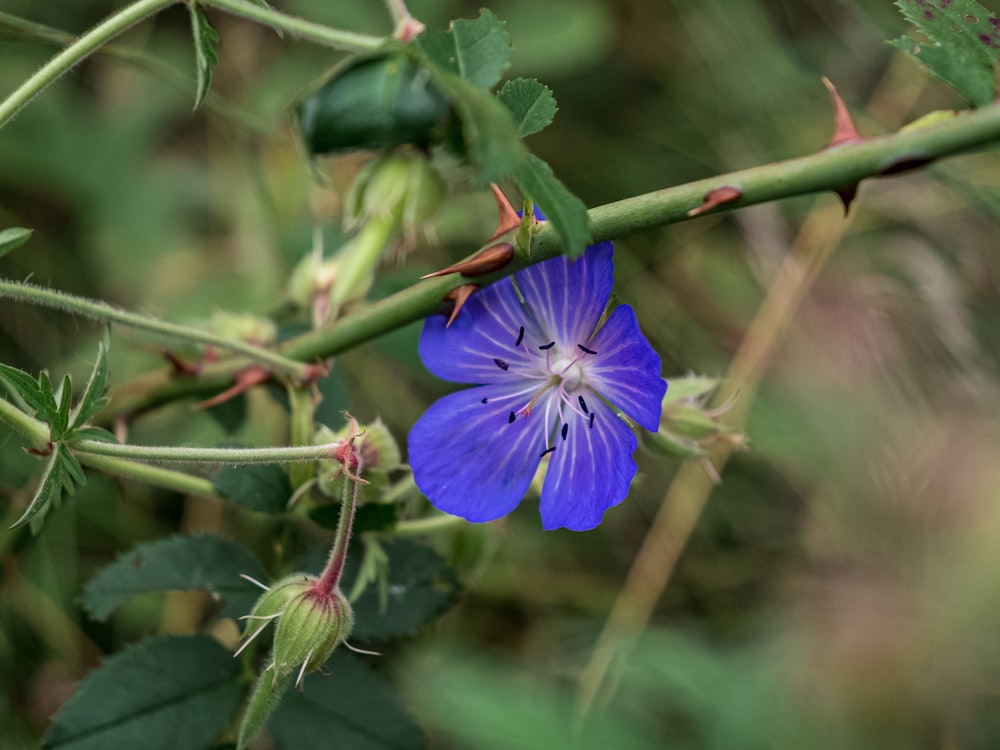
{"x": 547, "y": 451}
{"x": 548, "y": 345}
{"x": 585, "y": 349}
{"x": 511, "y": 417}
{"x": 565, "y": 431}
{"x": 501, "y": 364}
{"x": 483, "y": 401}
{"x": 591, "y": 425}
{"x": 583, "y": 405}
{"x": 520, "y": 337}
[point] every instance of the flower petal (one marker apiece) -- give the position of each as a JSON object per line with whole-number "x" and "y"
{"x": 568, "y": 297}
{"x": 590, "y": 470}
{"x": 626, "y": 369}
{"x": 488, "y": 328}
{"x": 469, "y": 460}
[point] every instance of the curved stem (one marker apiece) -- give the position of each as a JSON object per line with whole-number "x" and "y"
{"x": 299, "y": 27}
{"x": 185, "y": 454}
{"x": 77, "y": 51}
{"x": 330, "y": 578}
{"x": 35, "y": 431}
{"x": 103, "y": 311}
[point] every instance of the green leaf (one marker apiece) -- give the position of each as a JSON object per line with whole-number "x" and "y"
{"x": 73, "y": 475}
{"x": 478, "y": 50}
{"x": 567, "y": 213}
{"x": 49, "y": 408}
{"x": 60, "y": 420}
{"x": 92, "y": 433}
{"x": 531, "y": 103}
{"x": 205, "y": 57}
{"x": 493, "y": 145}
{"x": 965, "y": 44}
{"x": 13, "y": 238}
{"x": 48, "y": 493}
{"x": 162, "y": 694}
{"x": 93, "y": 397}
{"x": 421, "y": 586}
{"x": 264, "y": 487}
{"x": 351, "y": 707}
{"x": 25, "y": 386}
{"x": 180, "y": 563}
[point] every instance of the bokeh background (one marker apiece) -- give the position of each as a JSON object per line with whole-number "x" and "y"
{"x": 842, "y": 587}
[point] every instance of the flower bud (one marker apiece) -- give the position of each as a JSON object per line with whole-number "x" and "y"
{"x": 378, "y": 454}
{"x": 400, "y": 186}
{"x": 244, "y": 327}
{"x": 687, "y": 428}
{"x": 312, "y": 276}
{"x": 312, "y": 624}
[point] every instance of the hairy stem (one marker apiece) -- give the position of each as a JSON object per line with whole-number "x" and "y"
{"x": 185, "y": 454}
{"x": 330, "y": 578}
{"x": 299, "y": 27}
{"x": 35, "y": 431}
{"x": 103, "y": 311}
{"x": 77, "y": 51}
{"x": 157, "y": 476}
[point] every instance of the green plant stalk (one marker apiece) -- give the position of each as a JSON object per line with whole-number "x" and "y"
{"x": 829, "y": 169}
{"x": 158, "y": 476}
{"x": 34, "y": 431}
{"x": 103, "y": 311}
{"x": 329, "y": 579}
{"x": 421, "y": 526}
{"x": 77, "y": 51}
{"x": 359, "y": 258}
{"x": 302, "y": 430}
{"x": 299, "y": 27}
{"x": 187, "y": 454}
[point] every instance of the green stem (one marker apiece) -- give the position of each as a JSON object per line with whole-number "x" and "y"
{"x": 35, "y": 431}
{"x": 77, "y": 51}
{"x": 170, "y": 479}
{"x": 185, "y": 454}
{"x": 330, "y": 578}
{"x": 299, "y": 27}
{"x": 830, "y": 169}
{"x": 103, "y": 311}
{"x": 421, "y": 526}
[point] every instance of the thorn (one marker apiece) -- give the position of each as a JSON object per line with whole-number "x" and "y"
{"x": 716, "y": 197}
{"x": 847, "y": 196}
{"x": 845, "y": 132}
{"x": 244, "y": 381}
{"x": 507, "y": 218}
{"x": 181, "y": 368}
{"x": 459, "y": 295}
{"x": 492, "y": 258}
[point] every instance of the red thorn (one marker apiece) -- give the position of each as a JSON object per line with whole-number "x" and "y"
{"x": 459, "y": 295}
{"x": 845, "y": 132}
{"x": 181, "y": 368}
{"x": 244, "y": 381}
{"x": 492, "y": 258}
{"x": 716, "y": 197}
{"x": 507, "y": 218}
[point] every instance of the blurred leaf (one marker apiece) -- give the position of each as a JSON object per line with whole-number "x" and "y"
{"x": 205, "y": 57}
{"x": 178, "y": 563}
{"x": 49, "y": 491}
{"x": 265, "y": 487}
{"x": 13, "y": 238}
{"x": 478, "y": 50}
{"x": 162, "y": 694}
{"x": 421, "y": 586}
{"x": 351, "y": 707}
{"x": 689, "y": 388}
{"x": 93, "y": 397}
{"x": 231, "y": 414}
{"x": 531, "y": 103}
{"x": 92, "y": 433}
{"x": 966, "y": 44}
{"x": 25, "y": 386}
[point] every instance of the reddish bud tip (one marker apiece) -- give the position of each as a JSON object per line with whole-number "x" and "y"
{"x": 715, "y": 198}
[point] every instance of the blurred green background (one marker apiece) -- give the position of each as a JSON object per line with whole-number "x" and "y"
{"x": 843, "y": 587}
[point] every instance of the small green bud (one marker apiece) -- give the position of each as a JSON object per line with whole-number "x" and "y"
{"x": 687, "y": 428}
{"x": 313, "y": 623}
{"x": 401, "y": 186}
{"x": 271, "y": 603}
{"x": 243, "y": 326}
{"x": 312, "y": 276}
{"x": 377, "y": 450}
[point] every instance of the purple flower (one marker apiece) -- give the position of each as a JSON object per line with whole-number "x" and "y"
{"x": 550, "y": 383}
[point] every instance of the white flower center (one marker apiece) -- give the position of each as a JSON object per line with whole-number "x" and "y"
{"x": 570, "y": 372}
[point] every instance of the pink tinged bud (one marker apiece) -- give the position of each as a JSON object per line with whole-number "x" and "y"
{"x": 311, "y": 626}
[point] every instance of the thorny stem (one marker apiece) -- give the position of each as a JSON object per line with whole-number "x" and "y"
{"x": 103, "y": 311}
{"x": 689, "y": 492}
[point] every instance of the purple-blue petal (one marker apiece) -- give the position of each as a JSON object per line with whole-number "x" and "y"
{"x": 569, "y": 296}
{"x": 469, "y": 460}
{"x": 487, "y": 328}
{"x": 589, "y": 472}
{"x": 626, "y": 369}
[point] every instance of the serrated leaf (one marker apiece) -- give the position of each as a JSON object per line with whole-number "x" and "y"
{"x": 183, "y": 563}
{"x": 478, "y": 50}
{"x": 205, "y": 57}
{"x": 494, "y": 147}
{"x": 162, "y": 694}
{"x": 567, "y": 213}
{"x": 49, "y": 407}
{"x": 265, "y": 487}
{"x": 92, "y": 433}
{"x": 351, "y": 707}
{"x": 964, "y": 48}
{"x": 421, "y": 586}
{"x": 25, "y": 386}
{"x": 73, "y": 475}
{"x": 12, "y": 238}
{"x": 93, "y": 397}
{"x": 60, "y": 420}
{"x": 48, "y": 492}
{"x": 530, "y": 102}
